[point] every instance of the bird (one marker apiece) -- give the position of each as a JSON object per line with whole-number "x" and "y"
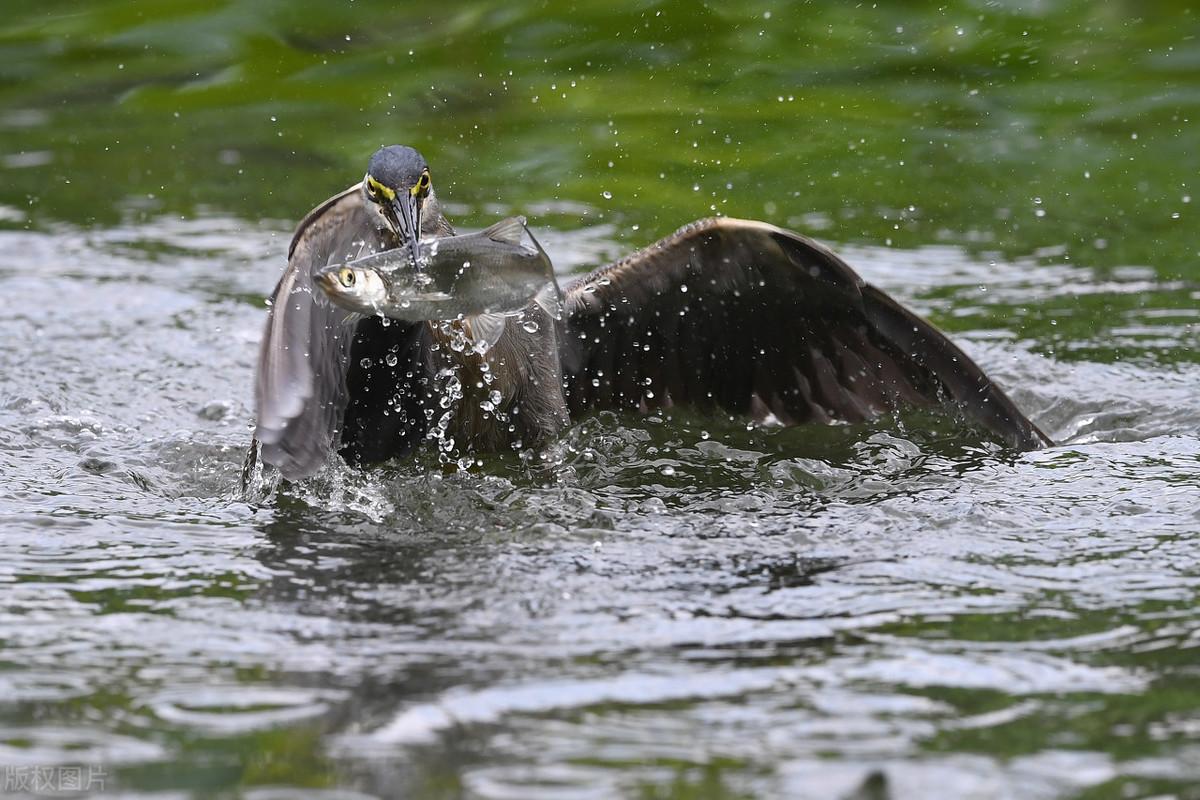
{"x": 725, "y": 316}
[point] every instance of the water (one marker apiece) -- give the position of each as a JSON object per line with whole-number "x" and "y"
{"x": 683, "y": 608}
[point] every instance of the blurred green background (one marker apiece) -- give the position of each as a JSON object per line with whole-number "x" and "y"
{"x": 1001, "y": 126}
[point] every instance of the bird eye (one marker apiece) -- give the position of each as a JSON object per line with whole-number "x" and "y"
{"x": 370, "y": 190}
{"x": 346, "y": 277}
{"x": 423, "y": 182}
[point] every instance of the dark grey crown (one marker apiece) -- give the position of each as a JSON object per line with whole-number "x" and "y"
{"x": 396, "y": 166}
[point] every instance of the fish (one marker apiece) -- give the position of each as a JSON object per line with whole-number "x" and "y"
{"x": 487, "y": 275}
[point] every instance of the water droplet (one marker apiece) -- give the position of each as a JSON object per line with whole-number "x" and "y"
{"x": 530, "y": 326}
{"x": 607, "y": 195}
{"x": 391, "y": 359}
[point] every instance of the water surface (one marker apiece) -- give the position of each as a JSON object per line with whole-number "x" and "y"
{"x": 685, "y": 607}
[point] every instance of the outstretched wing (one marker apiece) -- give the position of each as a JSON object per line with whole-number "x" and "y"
{"x": 300, "y": 389}
{"x": 756, "y": 320}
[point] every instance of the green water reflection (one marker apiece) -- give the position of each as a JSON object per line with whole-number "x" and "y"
{"x": 1002, "y": 126}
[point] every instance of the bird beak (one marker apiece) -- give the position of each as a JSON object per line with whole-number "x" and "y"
{"x": 404, "y": 214}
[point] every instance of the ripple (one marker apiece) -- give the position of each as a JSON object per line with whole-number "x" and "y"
{"x": 425, "y": 722}
{"x": 27, "y": 685}
{"x": 232, "y": 709}
{"x": 682, "y": 602}
{"x": 47, "y": 744}
{"x": 299, "y": 793}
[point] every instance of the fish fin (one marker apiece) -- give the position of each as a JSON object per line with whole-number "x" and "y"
{"x": 549, "y": 299}
{"x": 486, "y": 330}
{"x": 536, "y": 245}
{"x": 508, "y": 231}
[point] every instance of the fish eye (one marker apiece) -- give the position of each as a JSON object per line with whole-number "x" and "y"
{"x": 423, "y": 181}
{"x": 346, "y": 277}
{"x": 370, "y": 190}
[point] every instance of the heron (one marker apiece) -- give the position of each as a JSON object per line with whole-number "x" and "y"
{"x": 729, "y": 316}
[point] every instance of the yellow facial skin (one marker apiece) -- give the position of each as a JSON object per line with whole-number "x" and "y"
{"x": 421, "y": 187}
{"x": 375, "y": 189}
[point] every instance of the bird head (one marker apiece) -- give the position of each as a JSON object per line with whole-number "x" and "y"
{"x": 399, "y": 191}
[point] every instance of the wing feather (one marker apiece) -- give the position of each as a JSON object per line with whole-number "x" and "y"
{"x": 758, "y": 320}
{"x": 300, "y": 388}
